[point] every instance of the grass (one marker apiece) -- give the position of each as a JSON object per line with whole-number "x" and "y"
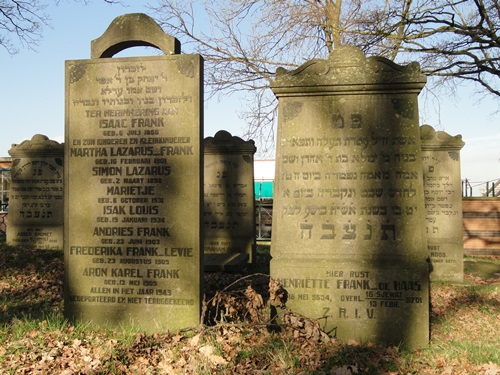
{"x": 487, "y": 267}
{"x": 35, "y": 338}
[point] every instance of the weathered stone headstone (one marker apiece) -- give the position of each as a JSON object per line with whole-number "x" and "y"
{"x": 133, "y": 182}
{"x": 36, "y": 208}
{"x": 443, "y": 203}
{"x": 229, "y": 204}
{"x": 348, "y": 240}
{"x": 5, "y": 180}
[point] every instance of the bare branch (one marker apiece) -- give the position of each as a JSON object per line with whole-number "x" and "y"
{"x": 25, "y": 20}
{"x": 22, "y": 22}
{"x": 246, "y": 40}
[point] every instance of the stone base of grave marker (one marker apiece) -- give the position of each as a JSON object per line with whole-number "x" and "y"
{"x": 225, "y": 262}
{"x": 366, "y": 300}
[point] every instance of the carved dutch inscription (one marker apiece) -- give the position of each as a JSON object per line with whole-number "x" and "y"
{"x": 133, "y": 136}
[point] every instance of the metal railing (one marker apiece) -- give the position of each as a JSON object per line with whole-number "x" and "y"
{"x": 466, "y": 188}
{"x": 492, "y": 188}
{"x": 263, "y": 215}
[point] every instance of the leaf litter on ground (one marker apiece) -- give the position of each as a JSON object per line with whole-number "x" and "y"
{"x": 238, "y": 335}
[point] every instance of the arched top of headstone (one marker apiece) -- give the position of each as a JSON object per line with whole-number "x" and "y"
{"x": 439, "y": 140}
{"x": 133, "y": 30}
{"x": 347, "y": 69}
{"x": 38, "y": 145}
{"x": 223, "y": 141}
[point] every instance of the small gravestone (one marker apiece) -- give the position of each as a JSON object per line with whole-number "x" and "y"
{"x": 443, "y": 203}
{"x": 348, "y": 240}
{"x": 229, "y": 204}
{"x": 133, "y": 188}
{"x": 36, "y": 210}
{"x": 5, "y": 182}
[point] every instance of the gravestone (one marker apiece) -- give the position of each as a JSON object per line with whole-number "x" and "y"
{"x": 348, "y": 240}
{"x": 443, "y": 203}
{"x": 229, "y": 205}
{"x": 133, "y": 179}
{"x": 5, "y": 180}
{"x": 36, "y": 208}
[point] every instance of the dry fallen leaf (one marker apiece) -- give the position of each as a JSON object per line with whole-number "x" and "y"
{"x": 208, "y": 352}
{"x": 195, "y": 340}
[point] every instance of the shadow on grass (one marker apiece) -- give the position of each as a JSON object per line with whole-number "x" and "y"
{"x": 30, "y": 283}
{"x": 483, "y": 268}
{"x": 467, "y": 296}
{"x": 21, "y": 258}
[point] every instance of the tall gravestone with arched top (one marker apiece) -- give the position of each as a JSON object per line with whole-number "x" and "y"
{"x": 133, "y": 181}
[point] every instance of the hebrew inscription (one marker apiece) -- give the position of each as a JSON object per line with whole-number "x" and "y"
{"x": 443, "y": 202}
{"x": 229, "y": 212}
{"x": 350, "y": 188}
{"x": 36, "y": 194}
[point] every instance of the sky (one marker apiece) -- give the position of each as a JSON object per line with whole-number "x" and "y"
{"x": 32, "y": 98}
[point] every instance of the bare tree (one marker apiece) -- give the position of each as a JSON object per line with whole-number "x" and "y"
{"x": 22, "y": 22}
{"x": 244, "y": 41}
{"x": 458, "y": 39}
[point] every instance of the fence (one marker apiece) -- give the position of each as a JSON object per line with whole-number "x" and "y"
{"x": 492, "y": 188}
{"x": 263, "y": 218}
{"x": 481, "y": 225}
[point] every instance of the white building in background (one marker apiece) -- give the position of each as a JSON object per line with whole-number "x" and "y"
{"x": 264, "y": 171}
